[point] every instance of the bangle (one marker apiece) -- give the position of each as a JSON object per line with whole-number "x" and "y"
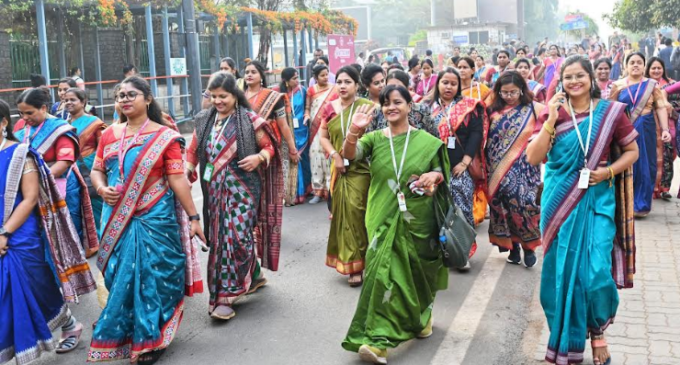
{"x": 665, "y": 130}
{"x": 550, "y": 129}
{"x": 332, "y": 153}
{"x": 260, "y": 157}
{"x": 350, "y": 142}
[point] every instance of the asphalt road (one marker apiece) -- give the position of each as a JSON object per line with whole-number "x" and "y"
{"x": 302, "y": 315}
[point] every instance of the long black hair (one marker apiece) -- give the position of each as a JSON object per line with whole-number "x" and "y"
{"x": 389, "y": 89}
{"x": 227, "y": 82}
{"x": 440, "y": 76}
{"x": 286, "y": 75}
{"x": 261, "y": 70}
{"x": 588, "y": 67}
{"x": 153, "y": 112}
{"x": 413, "y": 63}
{"x": 6, "y": 115}
{"x": 663, "y": 67}
{"x": 510, "y": 77}
{"x": 232, "y": 64}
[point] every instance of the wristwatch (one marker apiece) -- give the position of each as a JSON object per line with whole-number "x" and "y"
{"x": 4, "y": 232}
{"x": 195, "y": 217}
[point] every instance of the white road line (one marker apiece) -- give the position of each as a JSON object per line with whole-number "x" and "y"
{"x": 463, "y": 328}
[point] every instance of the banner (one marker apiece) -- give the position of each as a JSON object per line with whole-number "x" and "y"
{"x": 340, "y": 51}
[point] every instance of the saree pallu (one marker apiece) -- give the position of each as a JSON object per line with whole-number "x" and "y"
{"x": 538, "y": 90}
{"x": 588, "y": 239}
{"x": 647, "y": 169}
{"x": 265, "y": 104}
{"x": 77, "y": 197}
{"x": 513, "y": 182}
{"x": 147, "y": 258}
{"x": 404, "y": 269}
{"x": 30, "y": 290}
{"x": 304, "y": 183}
{"x": 320, "y": 167}
{"x": 89, "y": 129}
{"x": 347, "y": 240}
{"x": 552, "y": 68}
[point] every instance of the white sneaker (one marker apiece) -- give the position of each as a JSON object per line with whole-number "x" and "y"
{"x": 315, "y": 200}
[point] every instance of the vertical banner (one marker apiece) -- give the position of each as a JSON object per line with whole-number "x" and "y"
{"x": 340, "y": 51}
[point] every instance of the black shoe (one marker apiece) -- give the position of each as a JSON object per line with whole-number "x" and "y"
{"x": 514, "y": 256}
{"x": 666, "y": 196}
{"x": 529, "y": 258}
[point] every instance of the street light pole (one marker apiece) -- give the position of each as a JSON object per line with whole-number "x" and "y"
{"x": 193, "y": 56}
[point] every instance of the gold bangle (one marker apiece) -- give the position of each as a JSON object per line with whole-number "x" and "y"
{"x": 549, "y": 129}
{"x": 350, "y": 142}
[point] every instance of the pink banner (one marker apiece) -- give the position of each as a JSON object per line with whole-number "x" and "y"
{"x": 340, "y": 51}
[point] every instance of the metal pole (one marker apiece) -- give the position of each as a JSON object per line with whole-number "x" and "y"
{"x": 193, "y": 55}
{"x": 216, "y": 45}
{"x": 42, "y": 39}
{"x": 309, "y": 35}
{"x": 285, "y": 48}
{"x": 316, "y": 41}
{"x": 296, "y": 56}
{"x": 244, "y": 44}
{"x": 226, "y": 40}
{"x": 167, "y": 55}
{"x": 98, "y": 68}
{"x": 80, "y": 48}
{"x": 250, "y": 35}
{"x": 60, "y": 41}
{"x": 433, "y": 16}
{"x": 271, "y": 50}
{"x": 151, "y": 49}
{"x": 184, "y": 84}
{"x": 304, "y": 56}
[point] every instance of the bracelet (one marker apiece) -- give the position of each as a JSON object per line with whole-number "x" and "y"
{"x": 465, "y": 164}
{"x": 260, "y": 157}
{"x": 549, "y": 129}
{"x": 611, "y": 173}
{"x": 194, "y": 217}
{"x": 332, "y": 153}
{"x": 350, "y": 142}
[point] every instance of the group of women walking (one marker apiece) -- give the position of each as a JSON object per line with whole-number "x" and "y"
{"x": 123, "y": 192}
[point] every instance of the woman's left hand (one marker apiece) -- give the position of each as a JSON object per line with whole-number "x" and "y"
{"x": 3, "y": 245}
{"x": 666, "y": 136}
{"x": 197, "y": 229}
{"x": 294, "y": 155}
{"x": 459, "y": 169}
{"x": 250, "y": 163}
{"x": 598, "y": 176}
{"x": 427, "y": 180}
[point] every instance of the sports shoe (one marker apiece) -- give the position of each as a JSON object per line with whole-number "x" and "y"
{"x": 465, "y": 268}
{"x": 427, "y": 331}
{"x": 666, "y": 196}
{"x": 514, "y": 257}
{"x": 315, "y": 200}
{"x": 529, "y": 258}
{"x": 372, "y": 354}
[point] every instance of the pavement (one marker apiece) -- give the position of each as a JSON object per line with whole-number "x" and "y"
{"x": 489, "y": 315}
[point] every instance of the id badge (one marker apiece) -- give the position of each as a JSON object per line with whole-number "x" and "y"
{"x": 452, "y": 143}
{"x": 584, "y": 179}
{"x": 346, "y": 162}
{"x": 296, "y": 123}
{"x": 401, "y": 199}
{"x": 207, "y": 175}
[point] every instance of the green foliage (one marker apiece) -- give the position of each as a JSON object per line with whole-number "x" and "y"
{"x": 540, "y": 17}
{"x": 420, "y": 35}
{"x": 643, "y": 15}
{"x": 399, "y": 19}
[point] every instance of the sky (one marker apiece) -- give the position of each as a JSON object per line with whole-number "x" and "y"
{"x": 595, "y": 9}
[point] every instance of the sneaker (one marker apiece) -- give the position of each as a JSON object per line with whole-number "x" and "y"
{"x": 372, "y": 354}
{"x": 666, "y": 195}
{"x": 315, "y": 200}
{"x": 529, "y": 258}
{"x": 514, "y": 257}
{"x": 427, "y": 331}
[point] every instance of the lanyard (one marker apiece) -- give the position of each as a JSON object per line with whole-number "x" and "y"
{"x": 427, "y": 86}
{"x": 292, "y": 99}
{"x": 403, "y": 155}
{"x": 342, "y": 120}
{"x": 213, "y": 137}
{"x": 123, "y": 149}
{"x": 578, "y": 133}
{"x": 637, "y": 92}
{"x": 447, "y": 110}
{"x": 27, "y": 132}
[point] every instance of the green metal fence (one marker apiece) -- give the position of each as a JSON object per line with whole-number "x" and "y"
{"x": 205, "y": 44}
{"x": 25, "y": 60}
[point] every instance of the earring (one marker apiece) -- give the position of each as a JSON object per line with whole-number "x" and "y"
{"x": 4, "y": 132}
{"x": 147, "y": 107}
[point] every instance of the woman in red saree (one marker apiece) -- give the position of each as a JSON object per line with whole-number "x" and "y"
{"x": 242, "y": 184}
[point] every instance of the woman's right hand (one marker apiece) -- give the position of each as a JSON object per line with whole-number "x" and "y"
{"x": 339, "y": 163}
{"x": 363, "y": 116}
{"x": 3, "y": 245}
{"x": 459, "y": 169}
{"x": 110, "y": 195}
{"x": 558, "y": 101}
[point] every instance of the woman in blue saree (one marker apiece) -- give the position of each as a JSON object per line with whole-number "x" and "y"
{"x": 647, "y": 108}
{"x": 40, "y": 255}
{"x": 146, "y": 257}
{"x": 586, "y": 213}
{"x": 57, "y": 142}
{"x": 297, "y": 96}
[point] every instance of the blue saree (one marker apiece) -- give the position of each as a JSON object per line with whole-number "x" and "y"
{"x": 89, "y": 128}
{"x": 304, "y": 185}
{"x": 143, "y": 256}
{"x": 580, "y": 235}
{"x": 43, "y": 259}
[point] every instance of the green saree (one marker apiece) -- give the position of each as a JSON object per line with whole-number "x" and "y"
{"x": 404, "y": 269}
{"x": 347, "y": 240}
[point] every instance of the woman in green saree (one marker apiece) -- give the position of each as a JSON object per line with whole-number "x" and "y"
{"x": 347, "y": 240}
{"x": 404, "y": 269}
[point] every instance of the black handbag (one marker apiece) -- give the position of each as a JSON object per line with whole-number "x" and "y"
{"x": 456, "y": 235}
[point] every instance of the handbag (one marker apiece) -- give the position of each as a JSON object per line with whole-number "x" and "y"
{"x": 456, "y": 235}
{"x": 475, "y": 169}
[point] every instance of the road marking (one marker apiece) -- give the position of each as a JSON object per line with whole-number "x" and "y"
{"x": 463, "y": 328}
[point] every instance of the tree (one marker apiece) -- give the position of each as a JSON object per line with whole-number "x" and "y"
{"x": 399, "y": 19}
{"x": 641, "y": 16}
{"x": 592, "y": 29}
{"x": 540, "y": 17}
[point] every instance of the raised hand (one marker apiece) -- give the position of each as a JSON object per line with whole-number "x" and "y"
{"x": 363, "y": 116}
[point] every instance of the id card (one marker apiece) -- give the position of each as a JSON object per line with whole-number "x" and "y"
{"x": 209, "y": 169}
{"x": 584, "y": 179}
{"x": 452, "y": 143}
{"x": 296, "y": 123}
{"x": 346, "y": 162}
{"x": 401, "y": 199}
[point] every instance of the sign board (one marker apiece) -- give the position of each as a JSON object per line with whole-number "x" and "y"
{"x": 340, "y": 51}
{"x": 178, "y": 66}
{"x": 573, "y": 18}
{"x": 460, "y": 39}
{"x": 581, "y": 24}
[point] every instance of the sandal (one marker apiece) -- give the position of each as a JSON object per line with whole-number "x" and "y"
{"x": 598, "y": 343}
{"x": 223, "y": 312}
{"x": 69, "y": 339}
{"x": 257, "y": 284}
{"x": 150, "y": 357}
{"x": 353, "y": 282}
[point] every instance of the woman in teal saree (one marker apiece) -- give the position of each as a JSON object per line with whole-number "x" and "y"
{"x": 404, "y": 269}
{"x": 586, "y": 213}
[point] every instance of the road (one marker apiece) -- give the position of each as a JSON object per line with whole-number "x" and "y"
{"x": 302, "y": 315}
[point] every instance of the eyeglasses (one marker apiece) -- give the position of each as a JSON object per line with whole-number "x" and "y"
{"x": 511, "y": 94}
{"x": 131, "y": 96}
